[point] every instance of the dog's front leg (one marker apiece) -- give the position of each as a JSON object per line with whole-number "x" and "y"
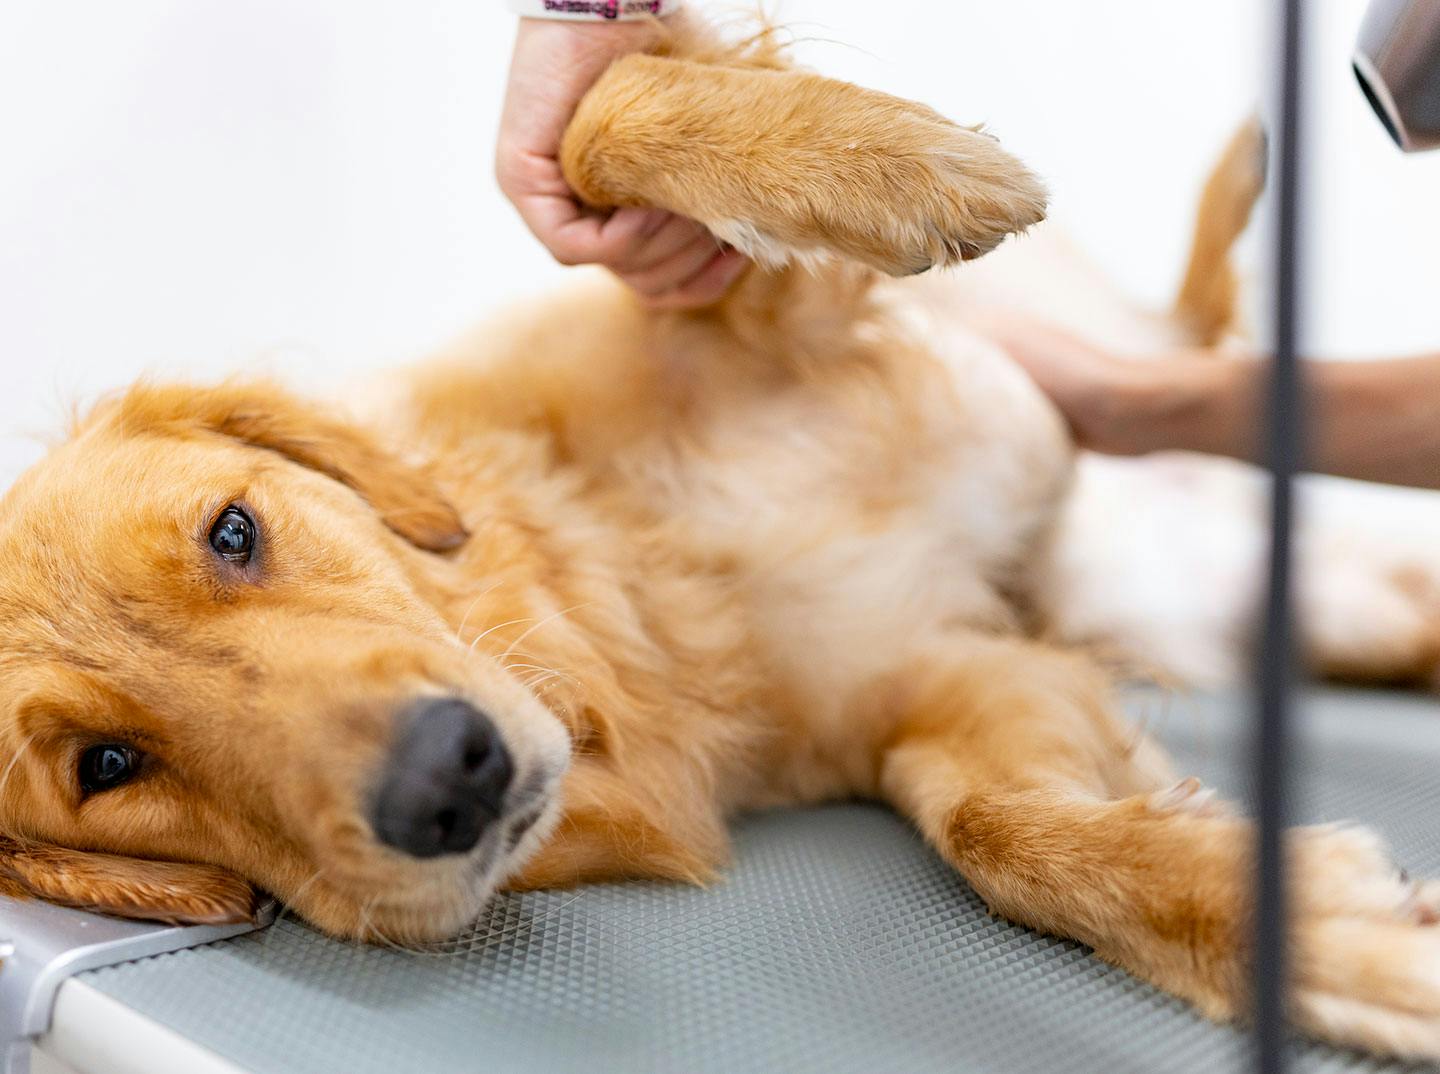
{"x": 786, "y": 165}
{"x": 1008, "y": 759}
{"x": 622, "y": 825}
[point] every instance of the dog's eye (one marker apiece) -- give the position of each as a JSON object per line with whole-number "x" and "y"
{"x": 104, "y": 767}
{"x": 233, "y": 536}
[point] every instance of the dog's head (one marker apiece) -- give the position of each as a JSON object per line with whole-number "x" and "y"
{"x": 222, "y": 663}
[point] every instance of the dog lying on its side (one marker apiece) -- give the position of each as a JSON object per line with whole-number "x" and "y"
{"x": 597, "y": 581}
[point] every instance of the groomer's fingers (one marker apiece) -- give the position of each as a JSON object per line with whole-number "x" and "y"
{"x": 575, "y": 236}
{"x": 677, "y": 270}
{"x": 625, "y": 241}
{"x": 624, "y": 233}
{"x": 706, "y": 287}
{"x": 674, "y": 235}
{"x": 673, "y": 262}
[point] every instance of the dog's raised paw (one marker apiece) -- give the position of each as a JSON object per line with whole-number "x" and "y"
{"x": 787, "y": 166}
{"x": 894, "y": 186}
{"x": 979, "y": 195}
{"x": 921, "y": 192}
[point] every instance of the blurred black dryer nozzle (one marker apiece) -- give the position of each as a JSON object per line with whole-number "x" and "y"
{"x": 1398, "y": 65}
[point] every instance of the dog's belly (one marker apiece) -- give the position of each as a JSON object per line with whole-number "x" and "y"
{"x": 1159, "y": 560}
{"x": 1162, "y": 559}
{"x": 858, "y": 532}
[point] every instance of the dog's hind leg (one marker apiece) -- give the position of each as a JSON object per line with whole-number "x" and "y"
{"x": 791, "y": 167}
{"x": 1206, "y": 303}
{"x": 1008, "y": 759}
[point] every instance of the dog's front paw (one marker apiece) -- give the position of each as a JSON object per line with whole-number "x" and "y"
{"x": 891, "y": 184}
{"x": 1367, "y": 952}
{"x": 788, "y": 166}
{"x": 957, "y": 195}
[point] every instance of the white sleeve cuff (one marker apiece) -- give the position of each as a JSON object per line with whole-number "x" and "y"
{"x": 593, "y": 10}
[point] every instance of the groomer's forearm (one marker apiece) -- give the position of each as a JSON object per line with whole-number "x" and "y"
{"x": 1378, "y": 421}
{"x": 1371, "y": 420}
{"x": 1207, "y": 404}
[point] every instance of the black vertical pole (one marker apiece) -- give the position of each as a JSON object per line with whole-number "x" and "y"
{"x": 1275, "y": 673}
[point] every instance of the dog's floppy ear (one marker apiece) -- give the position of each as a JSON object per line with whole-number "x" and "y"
{"x": 170, "y": 892}
{"x": 266, "y": 416}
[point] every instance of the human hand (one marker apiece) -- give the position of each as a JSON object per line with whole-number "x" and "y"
{"x": 671, "y": 261}
{"x": 1184, "y": 400}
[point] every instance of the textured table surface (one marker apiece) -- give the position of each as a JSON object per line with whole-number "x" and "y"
{"x": 838, "y": 943}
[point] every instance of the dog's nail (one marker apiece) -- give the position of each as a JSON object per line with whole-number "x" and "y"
{"x": 1167, "y": 800}
{"x": 1190, "y": 796}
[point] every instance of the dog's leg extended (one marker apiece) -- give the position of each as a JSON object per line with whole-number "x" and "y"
{"x": 788, "y": 166}
{"x": 1007, "y": 758}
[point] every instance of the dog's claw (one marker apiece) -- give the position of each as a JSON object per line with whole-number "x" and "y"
{"x": 1189, "y": 796}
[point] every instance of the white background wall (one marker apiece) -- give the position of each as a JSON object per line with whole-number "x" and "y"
{"x": 302, "y": 186}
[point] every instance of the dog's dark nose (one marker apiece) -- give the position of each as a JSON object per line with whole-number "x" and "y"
{"x": 445, "y": 781}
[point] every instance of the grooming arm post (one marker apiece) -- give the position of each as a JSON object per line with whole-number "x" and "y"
{"x": 1275, "y": 674}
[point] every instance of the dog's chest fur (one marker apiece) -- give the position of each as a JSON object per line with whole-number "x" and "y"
{"x": 801, "y": 532}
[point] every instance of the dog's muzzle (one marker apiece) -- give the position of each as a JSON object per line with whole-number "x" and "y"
{"x": 444, "y": 783}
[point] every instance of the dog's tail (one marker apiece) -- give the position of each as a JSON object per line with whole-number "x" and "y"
{"x": 1207, "y": 305}
{"x": 792, "y": 168}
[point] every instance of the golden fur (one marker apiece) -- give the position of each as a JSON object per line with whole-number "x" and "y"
{"x": 771, "y": 553}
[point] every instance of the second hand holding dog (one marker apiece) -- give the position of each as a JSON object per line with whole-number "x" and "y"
{"x": 1376, "y": 419}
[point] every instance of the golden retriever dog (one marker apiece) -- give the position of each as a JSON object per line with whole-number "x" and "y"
{"x": 565, "y": 600}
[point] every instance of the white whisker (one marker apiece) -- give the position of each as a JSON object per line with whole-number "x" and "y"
{"x": 547, "y": 620}
{"x": 498, "y": 626}
{"x": 545, "y": 672}
{"x": 532, "y": 683}
{"x": 9, "y": 768}
{"x": 473, "y": 604}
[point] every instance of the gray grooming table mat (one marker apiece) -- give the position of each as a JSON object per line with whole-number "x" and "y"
{"x": 838, "y": 943}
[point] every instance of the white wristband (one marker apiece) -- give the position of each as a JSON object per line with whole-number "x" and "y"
{"x": 593, "y": 10}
